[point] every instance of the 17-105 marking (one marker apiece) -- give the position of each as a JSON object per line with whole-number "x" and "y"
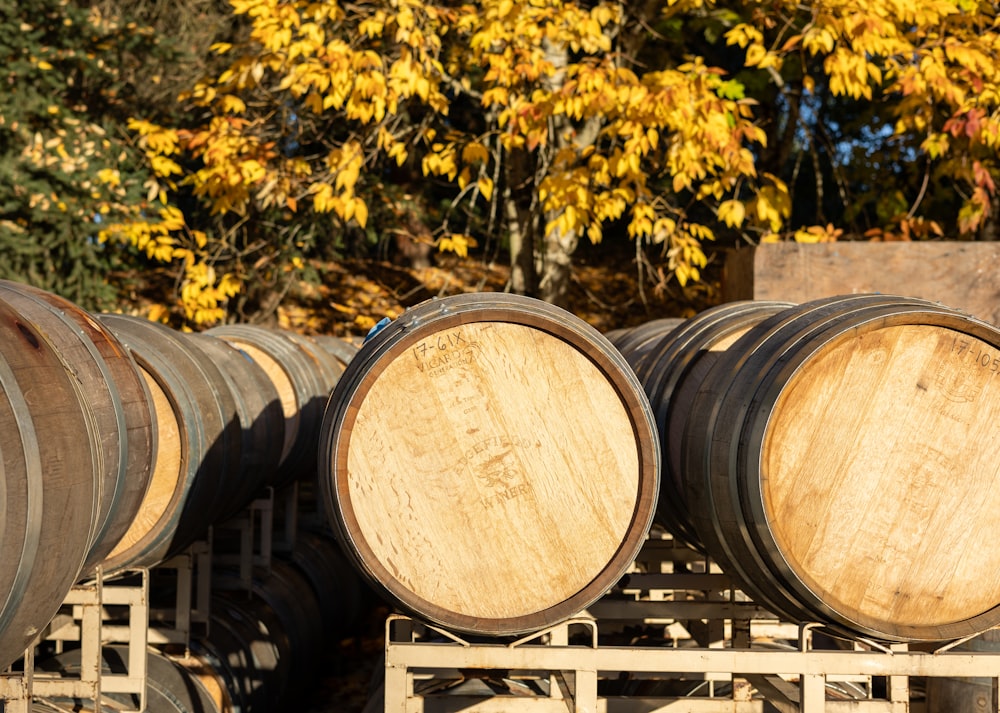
{"x": 977, "y": 352}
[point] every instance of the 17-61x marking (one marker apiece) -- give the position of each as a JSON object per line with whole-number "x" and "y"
{"x": 444, "y": 350}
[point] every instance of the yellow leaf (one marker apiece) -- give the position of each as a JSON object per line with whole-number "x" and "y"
{"x": 230, "y": 104}
{"x": 158, "y": 313}
{"x": 458, "y": 244}
{"x": 360, "y": 212}
{"x": 475, "y": 152}
{"x": 485, "y": 185}
{"x": 732, "y": 213}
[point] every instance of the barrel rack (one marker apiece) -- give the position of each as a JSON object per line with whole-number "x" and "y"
{"x": 717, "y": 652}
{"x": 117, "y": 610}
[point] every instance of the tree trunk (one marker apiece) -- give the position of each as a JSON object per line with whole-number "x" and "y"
{"x": 557, "y": 266}
{"x": 523, "y": 277}
{"x": 555, "y": 256}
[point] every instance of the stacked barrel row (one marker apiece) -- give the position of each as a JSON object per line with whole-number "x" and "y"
{"x": 122, "y": 441}
{"x": 263, "y": 649}
{"x": 840, "y": 458}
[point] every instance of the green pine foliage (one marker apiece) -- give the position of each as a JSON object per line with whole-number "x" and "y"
{"x": 66, "y": 164}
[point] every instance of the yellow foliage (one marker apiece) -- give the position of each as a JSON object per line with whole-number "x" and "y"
{"x": 818, "y": 234}
{"x": 732, "y": 213}
{"x": 612, "y": 140}
{"x": 485, "y": 185}
{"x": 457, "y": 243}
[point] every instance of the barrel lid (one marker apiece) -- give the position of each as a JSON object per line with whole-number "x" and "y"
{"x": 491, "y": 463}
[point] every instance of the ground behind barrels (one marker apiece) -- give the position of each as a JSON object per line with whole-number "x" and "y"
{"x": 352, "y": 668}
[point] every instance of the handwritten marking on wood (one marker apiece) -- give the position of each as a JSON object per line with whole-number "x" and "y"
{"x": 881, "y": 475}
{"x": 493, "y": 469}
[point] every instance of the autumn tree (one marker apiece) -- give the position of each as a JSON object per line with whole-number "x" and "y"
{"x": 533, "y": 112}
{"x": 539, "y": 124}
{"x": 883, "y": 117}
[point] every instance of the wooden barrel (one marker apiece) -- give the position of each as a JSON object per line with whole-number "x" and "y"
{"x": 261, "y": 420}
{"x": 116, "y": 399}
{"x": 282, "y": 603}
{"x": 340, "y": 591}
{"x": 49, "y": 495}
{"x": 341, "y": 349}
{"x": 841, "y": 462}
{"x": 636, "y": 343}
{"x": 198, "y": 443}
{"x": 490, "y": 463}
{"x": 170, "y": 686}
{"x": 304, "y": 377}
{"x": 671, "y": 367}
{"x": 256, "y": 655}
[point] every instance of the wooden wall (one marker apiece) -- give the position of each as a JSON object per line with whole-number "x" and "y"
{"x": 962, "y": 275}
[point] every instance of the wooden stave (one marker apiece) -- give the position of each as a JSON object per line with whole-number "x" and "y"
{"x": 698, "y": 466}
{"x": 95, "y": 392}
{"x": 305, "y": 381}
{"x": 295, "y": 602}
{"x": 929, "y": 314}
{"x": 260, "y": 420}
{"x": 701, "y": 466}
{"x": 170, "y": 688}
{"x": 209, "y": 447}
{"x": 674, "y": 367}
{"x": 341, "y": 349}
{"x": 116, "y": 398}
{"x": 253, "y": 663}
{"x": 283, "y": 602}
{"x": 730, "y": 515}
{"x": 327, "y": 368}
{"x": 638, "y": 343}
{"x": 55, "y": 486}
{"x": 457, "y": 310}
{"x": 336, "y": 582}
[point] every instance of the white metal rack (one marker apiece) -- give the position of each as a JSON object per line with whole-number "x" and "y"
{"x": 101, "y": 612}
{"x": 730, "y": 655}
{"x": 86, "y": 608}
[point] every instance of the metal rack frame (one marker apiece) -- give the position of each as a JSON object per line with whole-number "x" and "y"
{"x": 576, "y": 669}
{"x": 104, "y": 611}
{"x": 713, "y": 638}
{"x": 88, "y": 602}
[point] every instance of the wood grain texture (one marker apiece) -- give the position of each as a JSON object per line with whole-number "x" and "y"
{"x": 881, "y": 475}
{"x": 671, "y": 374}
{"x": 304, "y": 374}
{"x": 843, "y": 466}
{"x": 287, "y": 396}
{"x": 208, "y": 438}
{"x": 961, "y": 275}
{"x": 488, "y": 473}
{"x": 499, "y": 450}
{"x": 167, "y": 487}
{"x": 114, "y": 399}
{"x": 48, "y": 494}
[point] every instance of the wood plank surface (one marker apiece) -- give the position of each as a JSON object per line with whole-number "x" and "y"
{"x": 493, "y": 470}
{"x": 880, "y": 475}
{"x": 166, "y": 485}
{"x": 961, "y": 275}
{"x": 278, "y": 374}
